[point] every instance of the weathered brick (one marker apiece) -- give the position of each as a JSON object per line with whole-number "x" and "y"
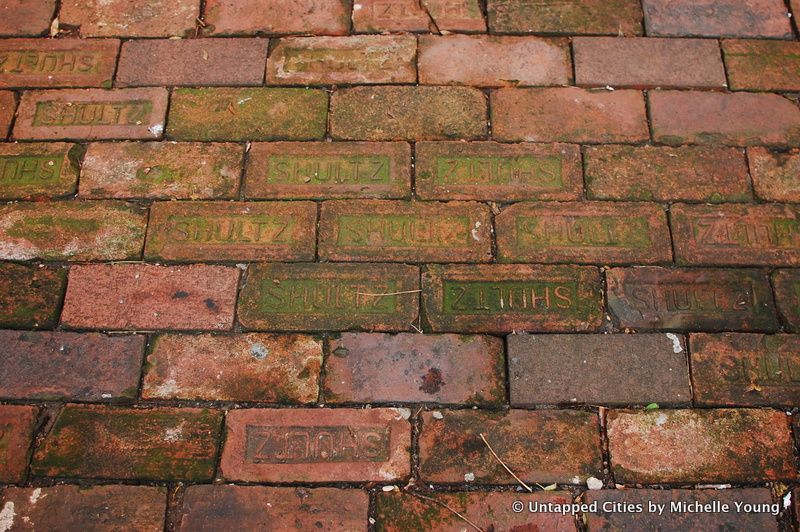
{"x": 238, "y": 17}
{"x": 569, "y": 114}
{"x": 408, "y": 113}
{"x": 593, "y": 232}
{"x": 57, "y": 62}
{"x": 717, "y": 18}
{"x": 30, "y": 297}
{"x": 228, "y": 113}
{"x": 72, "y": 230}
{"x": 16, "y": 433}
{"x": 787, "y": 296}
{"x": 763, "y": 65}
{"x": 492, "y": 61}
{"x": 126, "y": 18}
{"x": 342, "y": 445}
{"x": 456, "y": 15}
{"x": 563, "y": 369}
{"x": 8, "y": 104}
{"x": 148, "y": 297}
{"x": 161, "y": 170}
{"x": 247, "y": 367}
{"x": 776, "y": 175}
{"x": 697, "y": 299}
{"x": 609, "y": 17}
{"x": 73, "y": 366}
{"x": 376, "y": 16}
{"x": 26, "y": 17}
{"x": 304, "y": 297}
{"x": 374, "y": 230}
{"x": 689, "y": 446}
{"x": 665, "y": 173}
{"x": 39, "y": 170}
{"x": 499, "y": 172}
{"x": 130, "y": 443}
{"x": 243, "y": 231}
{"x": 368, "y": 368}
{"x": 327, "y": 170}
{"x": 738, "y": 119}
{"x": 198, "y": 62}
{"x": 358, "y": 59}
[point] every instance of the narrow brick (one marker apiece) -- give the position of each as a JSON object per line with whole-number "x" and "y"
{"x": 26, "y": 17}
{"x": 456, "y": 15}
{"x": 8, "y": 105}
{"x": 16, "y": 434}
{"x": 378, "y": 16}
{"x": 717, "y": 18}
{"x": 763, "y": 65}
{"x": 30, "y": 297}
{"x": 607, "y": 17}
{"x": 363, "y": 230}
{"x": 569, "y": 114}
{"x": 307, "y": 297}
{"x": 246, "y": 17}
{"x": 248, "y": 367}
{"x": 592, "y": 232}
{"x": 123, "y": 18}
{"x": 345, "y": 445}
{"x": 237, "y": 114}
{"x": 58, "y": 62}
{"x": 562, "y": 369}
{"x": 369, "y": 368}
{"x": 787, "y": 296}
{"x": 776, "y": 175}
{"x": 408, "y": 113}
{"x": 148, "y": 297}
{"x": 131, "y": 444}
{"x": 39, "y": 170}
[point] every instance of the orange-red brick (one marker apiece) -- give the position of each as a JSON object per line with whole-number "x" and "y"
{"x": 17, "y": 423}
{"x": 26, "y": 17}
{"x": 607, "y": 17}
{"x": 245, "y": 17}
{"x": 58, "y": 62}
{"x": 126, "y": 18}
{"x": 713, "y": 18}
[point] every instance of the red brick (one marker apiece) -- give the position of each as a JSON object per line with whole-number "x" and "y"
{"x": 456, "y": 15}
{"x": 365, "y": 230}
{"x": 608, "y": 17}
{"x": 738, "y": 119}
{"x": 569, "y": 114}
{"x": 787, "y": 296}
{"x": 39, "y": 170}
{"x": 8, "y": 104}
{"x": 30, "y": 297}
{"x": 317, "y": 445}
{"x": 26, "y": 17}
{"x": 247, "y": 367}
{"x": 130, "y": 443}
{"x": 16, "y": 433}
{"x": 369, "y": 368}
{"x": 592, "y": 232}
{"x": 58, "y": 63}
{"x": 717, "y": 18}
{"x": 327, "y": 170}
{"x": 74, "y": 366}
{"x": 664, "y": 173}
{"x": 763, "y": 65}
{"x": 147, "y": 297}
{"x": 776, "y": 175}
{"x": 238, "y": 17}
{"x": 130, "y": 18}
{"x": 376, "y": 16}
{"x": 688, "y": 446}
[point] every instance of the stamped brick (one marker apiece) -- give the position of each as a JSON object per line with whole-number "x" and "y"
{"x": 717, "y": 18}
{"x": 26, "y": 17}
{"x": 506, "y": 298}
{"x": 787, "y": 296}
{"x": 763, "y": 65}
{"x": 447, "y": 368}
{"x": 562, "y": 369}
{"x": 307, "y": 297}
{"x": 72, "y": 230}
{"x": 607, "y": 17}
{"x": 593, "y": 232}
{"x": 242, "y": 17}
{"x": 569, "y": 114}
{"x": 228, "y": 113}
{"x": 16, "y": 432}
{"x": 776, "y": 175}
{"x": 696, "y": 299}
{"x": 723, "y": 445}
{"x": 408, "y": 113}
{"x": 665, "y": 173}
{"x": 317, "y": 445}
{"x": 327, "y": 170}
{"x": 148, "y": 297}
{"x": 499, "y": 172}
{"x": 39, "y": 170}
{"x": 57, "y": 62}
{"x": 244, "y": 367}
{"x": 8, "y": 104}
{"x": 376, "y": 16}
{"x": 358, "y": 59}
{"x": 456, "y": 15}
{"x": 30, "y": 297}
{"x": 373, "y": 230}
{"x": 130, "y": 443}
{"x": 127, "y": 18}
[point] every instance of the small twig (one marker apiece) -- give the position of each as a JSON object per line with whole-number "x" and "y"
{"x": 504, "y": 465}
{"x": 443, "y": 505}
{"x": 389, "y": 293}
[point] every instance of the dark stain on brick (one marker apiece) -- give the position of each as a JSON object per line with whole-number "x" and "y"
{"x": 432, "y": 381}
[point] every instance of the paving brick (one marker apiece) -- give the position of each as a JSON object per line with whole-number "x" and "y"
{"x": 73, "y": 366}
{"x": 39, "y": 170}
{"x": 307, "y": 297}
{"x": 456, "y": 15}
{"x": 229, "y": 507}
{"x": 499, "y": 172}
{"x": 736, "y": 234}
{"x": 16, "y": 433}
{"x": 650, "y": 62}
{"x": 238, "y": 17}
{"x": 408, "y": 113}
{"x": 738, "y": 119}
{"x": 376, "y": 16}
{"x": 569, "y": 114}
{"x": 148, "y": 297}
{"x": 787, "y": 296}
{"x": 98, "y": 230}
{"x": 358, "y": 59}
{"x": 763, "y": 65}
{"x": 592, "y": 232}
{"x": 26, "y": 17}
{"x": 688, "y": 446}
{"x": 57, "y": 62}
{"x": 368, "y": 368}
{"x": 563, "y": 369}
{"x": 247, "y": 367}
{"x": 317, "y": 445}
{"x": 228, "y": 113}
{"x": 197, "y": 62}
{"x": 228, "y": 231}
{"x": 717, "y": 18}
{"x": 374, "y": 230}
{"x": 131, "y": 18}
{"x": 697, "y": 299}
{"x": 776, "y": 175}
{"x": 492, "y": 61}
{"x": 609, "y": 17}
{"x": 130, "y": 443}
{"x": 8, "y": 104}
{"x": 30, "y": 297}
{"x": 665, "y": 173}
{"x": 326, "y": 170}
{"x": 161, "y": 170}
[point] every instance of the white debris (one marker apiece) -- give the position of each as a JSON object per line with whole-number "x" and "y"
{"x": 404, "y": 413}
{"x": 594, "y": 483}
{"x": 676, "y": 342}
{"x": 7, "y": 516}
{"x": 469, "y": 477}
{"x": 389, "y": 488}
{"x": 437, "y": 415}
